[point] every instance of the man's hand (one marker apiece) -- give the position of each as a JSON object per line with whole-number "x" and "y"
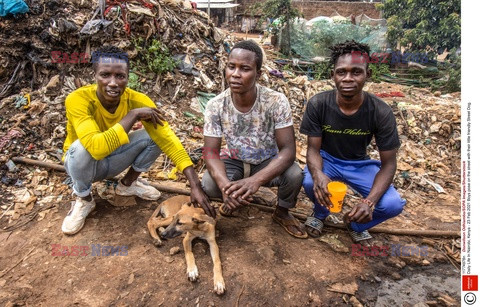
{"x": 151, "y": 115}
{"x": 200, "y": 199}
{"x": 242, "y": 189}
{"x": 361, "y": 213}
{"x": 233, "y": 203}
{"x": 197, "y": 195}
{"x": 320, "y": 189}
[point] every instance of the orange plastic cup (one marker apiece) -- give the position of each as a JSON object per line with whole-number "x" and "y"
{"x": 338, "y": 190}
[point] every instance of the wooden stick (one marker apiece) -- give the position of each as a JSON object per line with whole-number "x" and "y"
{"x": 55, "y": 166}
{"x": 20, "y": 261}
{"x": 238, "y": 298}
{"x": 303, "y": 217}
{"x": 168, "y": 189}
{"x": 405, "y": 232}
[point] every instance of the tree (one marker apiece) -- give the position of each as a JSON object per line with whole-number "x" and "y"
{"x": 431, "y": 25}
{"x": 428, "y": 25}
{"x": 285, "y": 13}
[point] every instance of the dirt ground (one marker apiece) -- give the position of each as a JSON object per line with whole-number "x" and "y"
{"x": 262, "y": 266}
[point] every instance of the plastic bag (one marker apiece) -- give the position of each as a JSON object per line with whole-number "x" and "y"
{"x": 12, "y": 7}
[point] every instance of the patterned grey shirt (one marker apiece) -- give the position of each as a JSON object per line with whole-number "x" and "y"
{"x": 250, "y": 136}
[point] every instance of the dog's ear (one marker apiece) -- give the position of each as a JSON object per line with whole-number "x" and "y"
{"x": 189, "y": 204}
{"x": 197, "y": 221}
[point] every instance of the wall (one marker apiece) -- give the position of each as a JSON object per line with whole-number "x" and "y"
{"x": 312, "y": 8}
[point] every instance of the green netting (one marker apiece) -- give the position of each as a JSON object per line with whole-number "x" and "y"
{"x": 312, "y": 40}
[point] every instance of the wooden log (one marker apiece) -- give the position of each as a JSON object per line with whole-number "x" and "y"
{"x": 55, "y": 166}
{"x": 303, "y": 217}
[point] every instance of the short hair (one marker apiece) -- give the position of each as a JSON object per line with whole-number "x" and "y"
{"x": 251, "y": 45}
{"x": 109, "y": 52}
{"x": 347, "y": 47}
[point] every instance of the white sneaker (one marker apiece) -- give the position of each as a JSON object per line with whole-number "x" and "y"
{"x": 75, "y": 218}
{"x": 139, "y": 188}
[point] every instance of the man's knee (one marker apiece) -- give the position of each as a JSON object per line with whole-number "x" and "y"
{"x": 143, "y": 139}
{"x": 210, "y": 186}
{"x": 78, "y": 158}
{"x": 307, "y": 181}
{"x": 294, "y": 175}
{"x": 391, "y": 204}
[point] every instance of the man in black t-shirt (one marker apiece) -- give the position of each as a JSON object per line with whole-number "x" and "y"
{"x": 340, "y": 124}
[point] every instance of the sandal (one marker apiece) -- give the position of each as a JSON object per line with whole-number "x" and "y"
{"x": 290, "y": 222}
{"x": 224, "y": 211}
{"x": 358, "y": 237}
{"x": 313, "y": 223}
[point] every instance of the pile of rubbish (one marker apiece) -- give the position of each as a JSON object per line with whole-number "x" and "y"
{"x": 55, "y": 36}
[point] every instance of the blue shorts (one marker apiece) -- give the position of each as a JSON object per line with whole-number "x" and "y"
{"x": 359, "y": 175}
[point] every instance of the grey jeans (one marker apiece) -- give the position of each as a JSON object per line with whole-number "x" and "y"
{"x": 289, "y": 182}
{"x": 140, "y": 153}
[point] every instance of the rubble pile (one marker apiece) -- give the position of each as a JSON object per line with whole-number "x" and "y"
{"x": 53, "y": 38}
{"x": 33, "y": 90}
{"x": 428, "y": 164}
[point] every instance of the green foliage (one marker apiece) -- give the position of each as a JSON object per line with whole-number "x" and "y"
{"x": 281, "y": 9}
{"x": 452, "y": 70}
{"x": 134, "y": 82}
{"x": 423, "y": 24}
{"x": 431, "y": 26}
{"x": 153, "y": 56}
{"x": 284, "y": 12}
{"x": 322, "y": 70}
{"x": 378, "y": 70}
{"x": 324, "y": 34}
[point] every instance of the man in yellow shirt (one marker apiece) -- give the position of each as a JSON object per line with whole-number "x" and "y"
{"x": 99, "y": 143}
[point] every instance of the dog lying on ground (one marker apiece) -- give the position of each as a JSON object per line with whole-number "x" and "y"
{"x": 180, "y": 216}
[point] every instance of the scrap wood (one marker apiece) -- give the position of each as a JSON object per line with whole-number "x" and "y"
{"x": 391, "y": 94}
{"x": 51, "y": 165}
{"x": 238, "y": 298}
{"x": 377, "y": 229}
{"x": 303, "y": 217}
{"x": 350, "y": 288}
{"x": 6, "y": 210}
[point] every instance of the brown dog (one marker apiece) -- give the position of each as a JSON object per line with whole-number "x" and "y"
{"x": 180, "y": 216}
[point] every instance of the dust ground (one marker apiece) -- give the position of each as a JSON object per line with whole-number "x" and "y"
{"x": 262, "y": 266}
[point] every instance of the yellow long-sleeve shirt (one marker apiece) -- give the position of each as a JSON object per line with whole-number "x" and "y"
{"x": 101, "y": 134}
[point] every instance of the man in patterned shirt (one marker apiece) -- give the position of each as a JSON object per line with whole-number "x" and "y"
{"x": 100, "y": 143}
{"x": 258, "y": 128}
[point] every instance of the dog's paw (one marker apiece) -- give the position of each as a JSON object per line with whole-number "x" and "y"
{"x": 193, "y": 274}
{"x": 219, "y": 287}
{"x": 157, "y": 243}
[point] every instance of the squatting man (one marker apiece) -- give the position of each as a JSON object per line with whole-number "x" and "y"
{"x": 100, "y": 142}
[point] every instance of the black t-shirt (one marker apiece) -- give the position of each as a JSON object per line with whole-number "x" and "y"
{"x": 347, "y": 136}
